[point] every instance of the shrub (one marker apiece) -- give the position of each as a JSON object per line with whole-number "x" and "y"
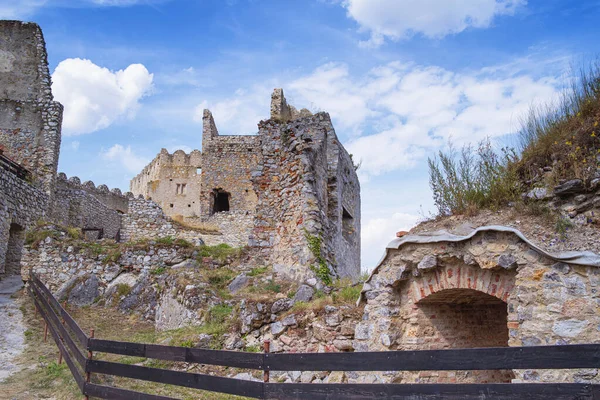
{"x": 473, "y": 179}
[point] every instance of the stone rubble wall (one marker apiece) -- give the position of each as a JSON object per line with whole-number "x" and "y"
{"x": 294, "y": 182}
{"x": 546, "y": 303}
{"x": 21, "y": 205}
{"x": 145, "y": 219}
{"x": 88, "y": 207}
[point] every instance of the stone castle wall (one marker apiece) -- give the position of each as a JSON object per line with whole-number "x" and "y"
{"x": 87, "y": 207}
{"x": 173, "y": 181}
{"x": 227, "y": 165}
{"x": 304, "y": 183}
{"x": 30, "y": 121}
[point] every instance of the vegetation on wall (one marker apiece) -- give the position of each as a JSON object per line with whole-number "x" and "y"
{"x": 320, "y": 269}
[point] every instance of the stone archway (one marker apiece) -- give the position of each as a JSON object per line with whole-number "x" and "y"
{"x": 458, "y": 319}
{"x": 457, "y": 306}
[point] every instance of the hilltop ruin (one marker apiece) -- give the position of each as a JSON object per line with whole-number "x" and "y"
{"x": 291, "y": 181}
{"x": 290, "y": 192}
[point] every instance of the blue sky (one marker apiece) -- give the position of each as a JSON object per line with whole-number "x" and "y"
{"x": 399, "y": 77}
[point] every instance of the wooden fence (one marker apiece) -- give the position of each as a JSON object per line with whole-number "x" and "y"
{"x": 71, "y": 342}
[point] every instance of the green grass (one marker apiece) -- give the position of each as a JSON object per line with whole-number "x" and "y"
{"x": 158, "y": 271}
{"x": 123, "y": 289}
{"x": 220, "y": 252}
{"x": 256, "y": 271}
{"x": 220, "y": 277}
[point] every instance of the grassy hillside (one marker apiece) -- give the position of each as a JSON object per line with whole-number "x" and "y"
{"x": 556, "y": 142}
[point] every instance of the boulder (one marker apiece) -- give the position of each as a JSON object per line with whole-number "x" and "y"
{"x": 238, "y": 283}
{"x": 282, "y": 305}
{"x": 204, "y": 341}
{"x": 428, "y": 262}
{"x": 304, "y": 294}
{"x": 82, "y": 291}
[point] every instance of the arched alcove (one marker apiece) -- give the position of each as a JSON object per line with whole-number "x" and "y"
{"x": 462, "y": 318}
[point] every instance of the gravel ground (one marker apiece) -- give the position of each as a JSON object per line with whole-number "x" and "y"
{"x": 11, "y": 326}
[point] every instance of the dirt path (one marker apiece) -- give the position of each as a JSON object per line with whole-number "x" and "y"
{"x": 12, "y": 338}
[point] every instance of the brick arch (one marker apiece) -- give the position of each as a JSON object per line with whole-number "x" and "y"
{"x": 494, "y": 282}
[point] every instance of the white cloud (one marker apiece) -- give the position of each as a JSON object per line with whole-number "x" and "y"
{"x": 75, "y": 145}
{"x": 239, "y": 114}
{"x": 125, "y": 157}
{"x": 16, "y": 9}
{"x": 378, "y": 232}
{"x": 95, "y": 97}
{"x": 397, "y": 19}
{"x": 409, "y": 110}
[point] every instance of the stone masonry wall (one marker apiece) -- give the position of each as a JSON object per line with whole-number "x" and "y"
{"x": 545, "y": 302}
{"x": 30, "y": 121}
{"x": 21, "y": 205}
{"x": 173, "y": 181}
{"x": 227, "y": 164}
{"x": 302, "y": 193}
{"x": 85, "y": 206}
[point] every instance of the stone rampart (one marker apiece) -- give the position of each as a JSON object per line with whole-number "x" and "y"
{"x": 87, "y": 207}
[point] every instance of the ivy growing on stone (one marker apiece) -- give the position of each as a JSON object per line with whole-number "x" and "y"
{"x": 321, "y": 269}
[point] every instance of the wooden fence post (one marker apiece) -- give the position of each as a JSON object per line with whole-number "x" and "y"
{"x": 62, "y": 320}
{"x": 267, "y": 349}
{"x": 45, "y": 331}
{"x": 90, "y": 357}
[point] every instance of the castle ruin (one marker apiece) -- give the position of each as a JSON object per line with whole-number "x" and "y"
{"x": 277, "y": 189}
{"x": 279, "y": 192}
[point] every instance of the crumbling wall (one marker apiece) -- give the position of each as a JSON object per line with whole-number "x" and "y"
{"x": 30, "y": 121}
{"x": 85, "y": 206}
{"x": 227, "y": 166}
{"x": 145, "y": 219}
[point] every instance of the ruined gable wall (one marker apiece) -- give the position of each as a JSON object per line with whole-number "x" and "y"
{"x": 227, "y": 164}
{"x": 30, "y": 120}
{"x": 20, "y": 203}
{"x": 85, "y": 206}
{"x": 547, "y": 303}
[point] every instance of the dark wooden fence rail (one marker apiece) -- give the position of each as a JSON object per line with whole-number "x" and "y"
{"x": 73, "y": 342}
